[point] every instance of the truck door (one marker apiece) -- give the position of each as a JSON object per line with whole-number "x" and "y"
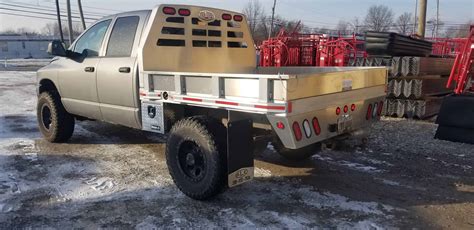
{"x": 77, "y": 75}
{"x": 117, "y": 81}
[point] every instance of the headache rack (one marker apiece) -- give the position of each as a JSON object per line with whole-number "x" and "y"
{"x": 257, "y": 93}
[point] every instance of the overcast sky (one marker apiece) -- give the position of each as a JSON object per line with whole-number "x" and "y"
{"x": 313, "y": 13}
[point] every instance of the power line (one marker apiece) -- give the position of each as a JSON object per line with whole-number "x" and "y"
{"x": 36, "y": 12}
{"x": 95, "y": 8}
{"x": 30, "y": 16}
{"x": 28, "y": 6}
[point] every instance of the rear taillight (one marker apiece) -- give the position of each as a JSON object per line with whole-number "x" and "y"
{"x": 346, "y": 109}
{"x": 238, "y": 18}
{"x": 227, "y": 17}
{"x": 369, "y": 112}
{"x": 353, "y": 107}
{"x": 379, "y": 112}
{"x": 316, "y": 126}
{"x": 297, "y": 131}
{"x": 169, "y": 10}
{"x": 307, "y": 129}
{"x": 184, "y": 12}
{"x": 338, "y": 111}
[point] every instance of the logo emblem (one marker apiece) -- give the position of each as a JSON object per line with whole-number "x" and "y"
{"x": 207, "y": 15}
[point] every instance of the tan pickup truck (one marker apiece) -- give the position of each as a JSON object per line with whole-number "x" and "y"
{"x": 190, "y": 72}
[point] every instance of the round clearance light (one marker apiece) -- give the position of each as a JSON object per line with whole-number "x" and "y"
{"x": 307, "y": 129}
{"x": 353, "y": 107}
{"x": 338, "y": 111}
{"x": 280, "y": 125}
{"x": 346, "y": 109}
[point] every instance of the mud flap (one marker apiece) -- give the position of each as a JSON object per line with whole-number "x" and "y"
{"x": 240, "y": 167}
{"x": 456, "y": 119}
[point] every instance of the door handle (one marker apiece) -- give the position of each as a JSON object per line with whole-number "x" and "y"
{"x": 124, "y": 69}
{"x": 89, "y": 69}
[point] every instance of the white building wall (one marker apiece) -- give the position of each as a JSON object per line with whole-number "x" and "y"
{"x": 11, "y": 49}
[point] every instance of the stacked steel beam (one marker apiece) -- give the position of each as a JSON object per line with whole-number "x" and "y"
{"x": 393, "y": 44}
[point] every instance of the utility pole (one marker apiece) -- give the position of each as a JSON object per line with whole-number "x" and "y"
{"x": 60, "y": 24}
{"x": 437, "y": 18}
{"x": 422, "y": 19}
{"x": 81, "y": 14}
{"x": 273, "y": 18}
{"x": 416, "y": 19}
{"x": 69, "y": 21}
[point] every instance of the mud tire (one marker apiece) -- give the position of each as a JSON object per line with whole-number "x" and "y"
{"x": 59, "y": 127}
{"x": 202, "y": 175}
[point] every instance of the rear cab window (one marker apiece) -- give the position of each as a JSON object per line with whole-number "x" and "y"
{"x": 122, "y": 37}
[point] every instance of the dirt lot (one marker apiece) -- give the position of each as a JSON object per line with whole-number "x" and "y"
{"x": 114, "y": 177}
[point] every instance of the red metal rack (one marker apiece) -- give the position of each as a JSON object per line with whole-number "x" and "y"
{"x": 462, "y": 70}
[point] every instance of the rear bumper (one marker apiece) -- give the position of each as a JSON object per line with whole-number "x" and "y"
{"x": 318, "y": 120}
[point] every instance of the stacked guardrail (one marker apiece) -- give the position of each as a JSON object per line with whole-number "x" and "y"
{"x": 416, "y": 85}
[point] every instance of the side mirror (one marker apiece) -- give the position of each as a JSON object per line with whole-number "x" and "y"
{"x": 56, "y": 48}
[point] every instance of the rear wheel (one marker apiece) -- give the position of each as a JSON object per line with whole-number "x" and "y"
{"x": 295, "y": 154}
{"x": 54, "y": 122}
{"x": 196, "y": 157}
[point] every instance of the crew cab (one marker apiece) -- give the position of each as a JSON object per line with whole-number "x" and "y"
{"x": 190, "y": 72}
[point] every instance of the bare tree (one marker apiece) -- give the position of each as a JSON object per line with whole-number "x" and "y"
{"x": 460, "y": 31}
{"x": 403, "y": 23}
{"x": 52, "y": 29}
{"x": 356, "y": 26}
{"x": 343, "y": 27}
{"x": 379, "y": 18}
{"x": 254, "y": 12}
{"x": 432, "y": 25}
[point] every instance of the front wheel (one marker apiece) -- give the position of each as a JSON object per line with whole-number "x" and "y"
{"x": 196, "y": 157}
{"x": 54, "y": 122}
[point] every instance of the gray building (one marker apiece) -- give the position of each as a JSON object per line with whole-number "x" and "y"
{"x": 24, "y": 46}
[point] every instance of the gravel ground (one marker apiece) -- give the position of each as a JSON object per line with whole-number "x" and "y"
{"x": 113, "y": 177}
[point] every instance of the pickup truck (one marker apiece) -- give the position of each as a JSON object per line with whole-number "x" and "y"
{"x": 190, "y": 72}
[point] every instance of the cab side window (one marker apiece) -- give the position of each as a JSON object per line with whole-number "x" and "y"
{"x": 122, "y": 37}
{"x": 91, "y": 40}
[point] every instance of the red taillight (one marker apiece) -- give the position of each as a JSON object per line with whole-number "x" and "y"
{"x": 369, "y": 112}
{"x": 346, "y": 109}
{"x": 280, "y": 125}
{"x": 297, "y": 131}
{"x": 353, "y": 107}
{"x": 184, "y": 12}
{"x": 379, "y": 112}
{"x": 338, "y": 111}
{"x": 316, "y": 126}
{"x": 169, "y": 10}
{"x": 227, "y": 17}
{"x": 238, "y": 18}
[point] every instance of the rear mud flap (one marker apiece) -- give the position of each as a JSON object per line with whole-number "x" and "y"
{"x": 456, "y": 119}
{"x": 240, "y": 168}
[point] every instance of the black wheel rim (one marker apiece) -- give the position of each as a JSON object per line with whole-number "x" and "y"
{"x": 191, "y": 161}
{"x": 46, "y": 118}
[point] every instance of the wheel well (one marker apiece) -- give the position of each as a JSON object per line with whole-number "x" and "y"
{"x": 46, "y": 85}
